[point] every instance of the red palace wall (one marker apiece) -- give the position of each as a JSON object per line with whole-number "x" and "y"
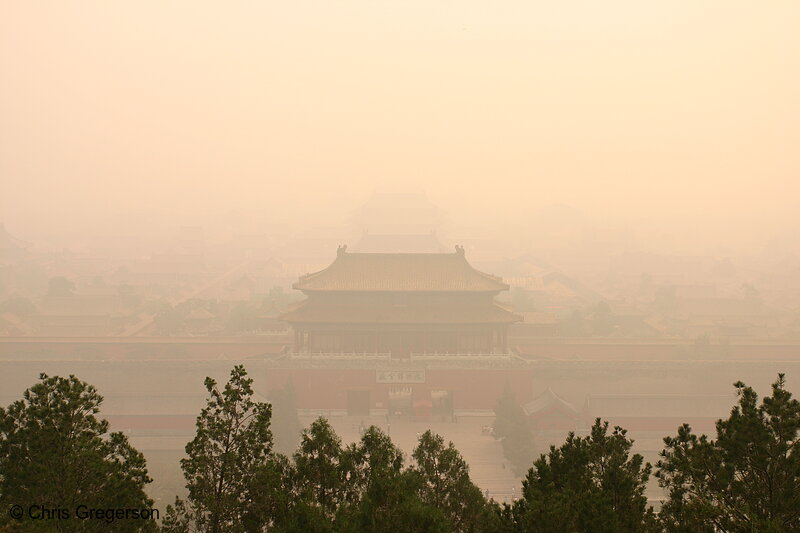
{"x": 471, "y": 388}
{"x": 245, "y": 347}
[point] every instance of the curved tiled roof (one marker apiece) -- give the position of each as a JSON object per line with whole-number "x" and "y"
{"x": 400, "y": 272}
{"x": 547, "y": 400}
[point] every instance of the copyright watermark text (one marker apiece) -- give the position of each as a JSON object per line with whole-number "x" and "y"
{"x": 80, "y": 512}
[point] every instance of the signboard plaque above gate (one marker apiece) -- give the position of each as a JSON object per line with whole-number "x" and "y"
{"x": 400, "y": 376}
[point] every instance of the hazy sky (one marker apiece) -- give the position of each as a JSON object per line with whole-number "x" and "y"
{"x": 678, "y": 116}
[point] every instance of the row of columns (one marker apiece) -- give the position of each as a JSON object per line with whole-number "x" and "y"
{"x": 497, "y": 338}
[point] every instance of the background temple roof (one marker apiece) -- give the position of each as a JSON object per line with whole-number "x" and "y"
{"x": 9, "y": 242}
{"x": 400, "y": 272}
{"x": 422, "y": 243}
{"x": 547, "y": 401}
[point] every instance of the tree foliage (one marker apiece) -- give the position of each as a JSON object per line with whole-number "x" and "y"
{"x": 60, "y": 286}
{"x": 748, "y": 479}
{"x": 232, "y": 442}
{"x": 19, "y": 306}
{"x": 318, "y": 467}
{"x": 243, "y": 316}
{"x": 446, "y": 484}
{"x": 329, "y": 488}
{"x": 381, "y": 495}
{"x": 745, "y": 480}
{"x": 56, "y": 453}
{"x": 589, "y": 484}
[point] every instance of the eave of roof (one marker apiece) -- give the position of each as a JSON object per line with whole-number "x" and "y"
{"x": 548, "y": 400}
{"x": 417, "y": 272}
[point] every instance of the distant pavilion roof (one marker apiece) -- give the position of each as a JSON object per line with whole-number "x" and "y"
{"x": 9, "y": 242}
{"x": 548, "y": 401}
{"x": 422, "y": 272}
{"x": 419, "y": 243}
{"x": 200, "y": 313}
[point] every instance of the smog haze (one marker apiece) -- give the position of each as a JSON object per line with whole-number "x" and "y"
{"x": 677, "y": 122}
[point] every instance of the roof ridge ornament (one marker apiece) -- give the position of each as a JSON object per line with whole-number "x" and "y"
{"x": 341, "y": 250}
{"x": 459, "y": 250}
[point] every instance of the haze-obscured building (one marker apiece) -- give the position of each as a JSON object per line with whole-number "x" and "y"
{"x": 399, "y": 223}
{"x": 400, "y": 304}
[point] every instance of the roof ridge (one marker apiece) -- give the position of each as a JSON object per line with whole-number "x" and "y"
{"x": 397, "y": 271}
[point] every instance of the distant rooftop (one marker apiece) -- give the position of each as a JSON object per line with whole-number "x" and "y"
{"x": 9, "y": 242}
{"x": 399, "y": 214}
{"x": 398, "y": 200}
{"x": 425, "y": 243}
{"x": 400, "y": 272}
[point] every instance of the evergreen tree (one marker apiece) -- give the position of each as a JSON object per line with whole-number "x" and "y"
{"x": 381, "y": 496}
{"x": 446, "y": 485}
{"x": 590, "y": 484}
{"x": 748, "y": 479}
{"x": 54, "y": 452}
{"x": 60, "y": 286}
{"x": 320, "y": 477}
{"x": 18, "y": 306}
{"x": 243, "y": 316}
{"x": 277, "y": 499}
{"x": 512, "y": 428}
{"x": 373, "y": 458}
{"x": 233, "y": 441}
{"x": 361, "y": 488}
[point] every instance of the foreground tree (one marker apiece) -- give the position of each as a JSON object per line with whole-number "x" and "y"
{"x": 327, "y": 488}
{"x": 55, "y": 453}
{"x": 748, "y": 479}
{"x": 320, "y": 477}
{"x": 276, "y": 499}
{"x": 381, "y": 495}
{"x": 446, "y": 485}
{"x": 589, "y": 484}
{"x": 233, "y": 441}
{"x": 372, "y": 462}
